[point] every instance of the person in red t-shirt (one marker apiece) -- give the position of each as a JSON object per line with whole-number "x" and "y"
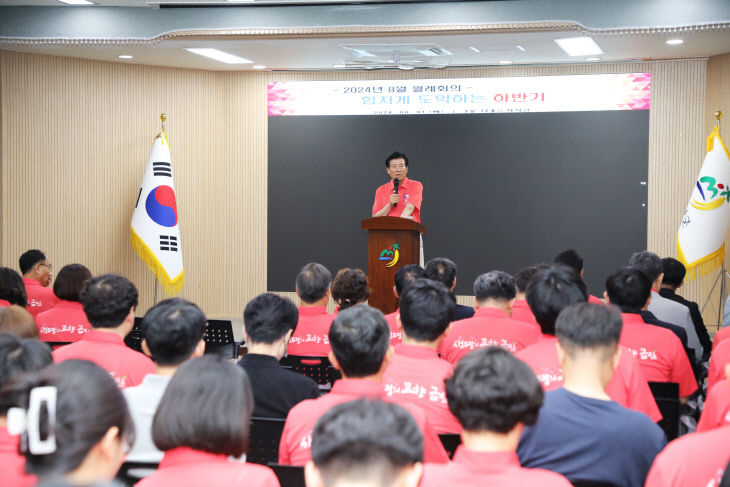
{"x": 403, "y": 276}
{"x": 716, "y": 412}
{"x": 349, "y": 287}
{"x": 520, "y": 309}
{"x": 573, "y": 259}
{"x": 361, "y": 351}
{"x": 66, "y": 321}
{"x": 313, "y": 288}
{"x": 109, "y": 302}
{"x": 417, "y": 373}
{"x": 16, "y": 320}
{"x": 491, "y": 324}
{"x": 37, "y": 273}
{"x": 483, "y": 383}
{"x": 406, "y": 202}
{"x": 369, "y": 443}
{"x": 12, "y": 288}
{"x": 719, "y": 360}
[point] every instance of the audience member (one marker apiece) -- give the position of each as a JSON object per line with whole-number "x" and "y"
{"x": 659, "y": 351}
{"x": 87, "y": 441}
{"x": 269, "y": 321}
{"x": 494, "y": 396}
{"x": 66, "y": 321}
{"x": 368, "y": 443}
{"x": 573, "y": 259}
{"x": 109, "y": 302}
{"x": 12, "y": 288}
{"x": 549, "y": 292}
{"x": 361, "y": 351}
{"x": 716, "y": 412}
{"x": 349, "y": 287}
{"x": 16, "y": 320}
{"x": 520, "y": 309}
{"x": 600, "y": 440}
{"x": 722, "y": 333}
{"x": 202, "y": 420}
{"x": 718, "y": 360}
{"x": 37, "y": 273}
{"x": 172, "y": 333}
{"x": 443, "y": 270}
{"x": 403, "y": 276}
{"x": 491, "y": 325}
{"x": 310, "y": 335}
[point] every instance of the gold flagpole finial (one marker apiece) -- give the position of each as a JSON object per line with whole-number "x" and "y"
{"x": 718, "y": 115}
{"x": 163, "y": 119}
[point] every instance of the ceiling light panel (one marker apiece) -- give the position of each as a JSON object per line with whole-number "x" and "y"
{"x": 221, "y": 56}
{"x": 579, "y": 46}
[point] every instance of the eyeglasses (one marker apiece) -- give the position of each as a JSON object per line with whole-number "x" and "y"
{"x": 50, "y": 267}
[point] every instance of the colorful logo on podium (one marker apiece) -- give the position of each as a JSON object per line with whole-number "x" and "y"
{"x": 391, "y": 254}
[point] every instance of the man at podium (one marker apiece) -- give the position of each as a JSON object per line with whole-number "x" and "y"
{"x": 401, "y": 196}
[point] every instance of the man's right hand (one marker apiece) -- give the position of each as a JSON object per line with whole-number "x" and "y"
{"x": 394, "y": 198}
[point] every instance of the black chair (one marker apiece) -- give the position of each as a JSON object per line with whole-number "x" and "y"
{"x": 132, "y": 472}
{"x": 263, "y": 442}
{"x": 55, "y": 345}
{"x": 219, "y": 339}
{"x": 666, "y": 395}
{"x": 288, "y": 475}
{"x": 592, "y": 483}
{"x": 134, "y": 339}
{"x": 317, "y": 368}
{"x": 451, "y": 442}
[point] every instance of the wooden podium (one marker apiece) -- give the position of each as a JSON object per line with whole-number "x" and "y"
{"x": 392, "y": 243}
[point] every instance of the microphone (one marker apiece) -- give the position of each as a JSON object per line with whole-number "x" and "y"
{"x": 396, "y": 183}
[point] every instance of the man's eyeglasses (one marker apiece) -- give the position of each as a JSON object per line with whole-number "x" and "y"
{"x": 50, "y": 266}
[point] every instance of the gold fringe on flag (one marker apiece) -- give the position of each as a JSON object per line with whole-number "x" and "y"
{"x": 170, "y": 285}
{"x": 703, "y": 266}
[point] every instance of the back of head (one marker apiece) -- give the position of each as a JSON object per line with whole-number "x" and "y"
{"x": 350, "y": 287}
{"x": 172, "y": 329}
{"x": 406, "y": 275}
{"x": 524, "y": 276}
{"x": 12, "y": 288}
{"x": 496, "y": 285}
{"x": 88, "y": 404}
{"x": 442, "y": 270}
{"x": 16, "y": 320}
{"x": 491, "y": 390}
{"x": 359, "y": 337}
{"x": 108, "y": 299}
{"x": 365, "y": 443}
{"x": 312, "y": 283}
{"x": 552, "y": 290}
{"x": 207, "y": 407}
{"x": 647, "y": 262}
{"x": 628, "y": 288}
{"x": 426, "y": 309}
{"x": 589, "y": 328}
{"x": 269, "y": 317}
{"x": 570, "y": 258}
{"x": 19, "y": 356}
{"x": 70, "y": 280}
{"x": 29, "y": 259}
{"x": 674, "y": 272}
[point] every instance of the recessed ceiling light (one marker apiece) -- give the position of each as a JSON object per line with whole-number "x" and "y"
{"x": 258, "y": 66}
{"x": 521, "y": 48}
{"x": 77, "y": 2}
{"x": 474, "y": 49}
{"x": 505, "y": 62}
{"x": 593, "y": 59}
{"x": 125, "y": 56}
{"x": 221, "y": 56}
{"x": 579, "y": 46}
{"x": 674, "y": 42}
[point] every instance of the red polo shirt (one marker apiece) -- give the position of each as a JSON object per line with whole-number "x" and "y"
{"x": 417, "y": 374}
{"x": 396, "y": 336}
{"x": 716, "y": 412}
{"x": 184, "y": 466}
{"x": 311, "y": 336}
{"x": 40, "y": 298}
{"x": 659, "y": 351}
{"x": 296, "y": 439}
{"x": 471, "y": 468}
{"x": 411, "y": 192}
{"x": 521, "y": 312}
{"x": 489, "y": 327}
{"x": 628, "y": 386}
{"x": 4, "y": 303}
{"x": 65, "y": 322}
{"x": 108, "y": 351}
{"x": 594, "y": 299}
{"x": 720, "y": 356}
{"x": 12, "y": 463}
{"x": 696, "y": 459}
{"x": 722, "y": 334}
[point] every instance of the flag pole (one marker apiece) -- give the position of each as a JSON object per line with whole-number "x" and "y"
{"x": 163, "y": 119}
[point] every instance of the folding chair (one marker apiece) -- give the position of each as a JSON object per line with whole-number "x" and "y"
{"x": 219, "y": 339}
{"x": 288, "y": 475}
{"x": 134, "y": 339}
{"x": 666, "y": 395}
{"x": 263, "y": 442}
{"x": 317, "y": 368}
{"x": 451, "y": 442}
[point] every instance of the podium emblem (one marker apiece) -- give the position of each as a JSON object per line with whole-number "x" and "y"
{"x": 390, "y": 254}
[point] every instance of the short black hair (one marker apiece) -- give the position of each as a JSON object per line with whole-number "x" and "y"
{"x": 70, "y": 281}
{"x": 206, "y": 406}
{"x": 494, "y": 285}
{"x": 108, "y": 299}
{"x": 350, "y": 287}
{"x": 406, "y": 275}
{"x": 359, "y": 337}
{"x": 628, "y": 288}
{"x": 365, "y": 439}
{"x": 570, "y": 258}
{"x": 29, "y": 259}
{"x": 588, "y": 326}
{"x": 312, "y": 282}
{"x": 396, "y": 155}
{"x": 524, "y": 276}
{"x": 12, "y": 288}
{"x": 268, "y": 317}
{"x": 19, "y": 356}
{"x": 552, "y": 290}
{"x": 674, "y": 272}
{"x": 172, "y": 329}
{"x": 647, "y": 262}
{"x": 426, "y": 309}
{"x": 442, "y": 270}
{"x": 491, "y": 390}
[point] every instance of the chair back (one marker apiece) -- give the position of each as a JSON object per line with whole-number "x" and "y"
{"x": 591, "y": 483}
{"x": 288, "y": 475}
{"x": 666, "y": 395}
{"x": 134, "y": 339}
{"x": 264, "y": 438}
{"x": 132, "y": 472}
{"x": 219, "y": 339}
{"x": 317, "y": 368}
{"x": 451, "y": 442}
